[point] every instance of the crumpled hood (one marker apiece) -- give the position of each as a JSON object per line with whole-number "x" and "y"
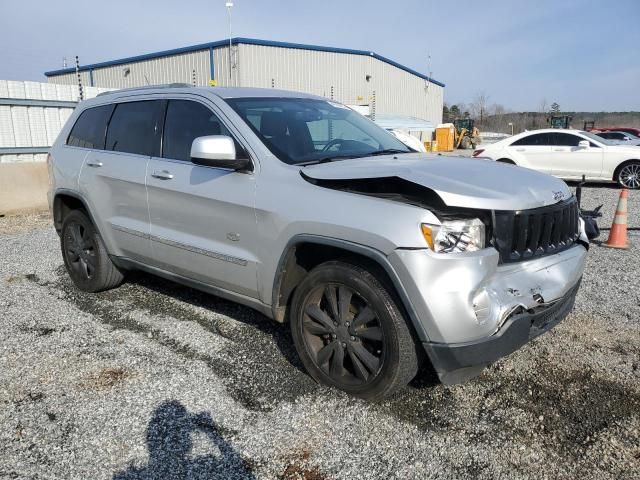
{"x": 460, "y": 182}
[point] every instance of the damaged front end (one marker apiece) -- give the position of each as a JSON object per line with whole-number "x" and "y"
{"x": 496, "y": 277}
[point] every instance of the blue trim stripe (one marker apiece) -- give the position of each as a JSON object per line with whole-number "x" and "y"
{"x": 246, "y": 41}
{"x": 211, "y": 65}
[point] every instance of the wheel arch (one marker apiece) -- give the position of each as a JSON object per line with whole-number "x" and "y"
{"x": 303, "y": 252}
{"x": 506, "y": 160}
{"x": 616, "y": 171}
{"x": 64, "y": 201}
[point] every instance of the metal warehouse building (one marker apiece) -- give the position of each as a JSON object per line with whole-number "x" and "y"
{"x": 354, "y": 77}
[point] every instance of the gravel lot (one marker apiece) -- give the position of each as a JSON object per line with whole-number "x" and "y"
{"x": 154, "y": 380}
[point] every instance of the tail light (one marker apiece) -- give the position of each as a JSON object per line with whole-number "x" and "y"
{"x": 478, "y": 152}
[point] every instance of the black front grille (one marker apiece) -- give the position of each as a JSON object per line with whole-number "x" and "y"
{"x": 526, "y": 234}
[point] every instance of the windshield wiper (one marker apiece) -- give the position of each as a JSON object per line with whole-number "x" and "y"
{"x": 327, "y": 159}
{"x": 388, "y": 151}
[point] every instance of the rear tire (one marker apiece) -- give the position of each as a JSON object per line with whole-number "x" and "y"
{"x": 349, "y": 332}
{"x": 85, "y": 257}
{"x": 628, "y": 175}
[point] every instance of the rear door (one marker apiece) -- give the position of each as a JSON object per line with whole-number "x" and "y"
{"x": 572, "y": 161}
{"x": 203, "y": 219}
{"x": 532, "y": 151}
{"x": 113, "y": 178}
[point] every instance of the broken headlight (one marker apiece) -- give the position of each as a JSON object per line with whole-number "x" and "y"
{"x": 455, "y": 236}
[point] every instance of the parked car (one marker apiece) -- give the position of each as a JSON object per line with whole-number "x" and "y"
{"x": 308, "y": 212}
{"x": 633, "y": 131}
{"x": 619, "y": 138}
{"x": 569, "y": 154}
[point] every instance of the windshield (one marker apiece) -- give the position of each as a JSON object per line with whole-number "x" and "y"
{"x": 301, "y": 131}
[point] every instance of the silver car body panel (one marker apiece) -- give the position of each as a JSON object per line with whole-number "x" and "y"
{"x": 465, "y": 297}
{"x": 460, "y": 182}
{"x": 227, "y": 232}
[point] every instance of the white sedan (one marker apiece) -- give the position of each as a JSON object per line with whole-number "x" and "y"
{"x": 568, "y": 154}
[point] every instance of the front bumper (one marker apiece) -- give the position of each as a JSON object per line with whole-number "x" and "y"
{"x": 471, "y": 310}
{"x": 458, "y": 362}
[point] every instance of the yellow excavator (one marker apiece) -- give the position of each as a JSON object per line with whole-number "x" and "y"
{"x": 467, "y": 134}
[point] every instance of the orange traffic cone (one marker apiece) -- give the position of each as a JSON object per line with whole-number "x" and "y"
{"x": 618, "y": 235}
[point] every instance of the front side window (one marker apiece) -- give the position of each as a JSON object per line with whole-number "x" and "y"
{"x": 303, "y": 131}
{"x": 134, "y": 128}
{"x": 90, "y": 128}
{"x": 565, "y": 140}
{"x": 185, "y": 121}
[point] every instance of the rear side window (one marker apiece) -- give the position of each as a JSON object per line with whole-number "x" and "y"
{"x": 90, "y": 128}
{"x": 134, "y": 128}
{"x": 538, "y": 139}
{"x": 185, "y": 121}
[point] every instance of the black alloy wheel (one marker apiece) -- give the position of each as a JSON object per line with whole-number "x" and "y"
{"x": 343, "y": 334}
{"x": 350, "y": 333}
{"x": 85, "y": 256}
{"x": 80, "y": 251}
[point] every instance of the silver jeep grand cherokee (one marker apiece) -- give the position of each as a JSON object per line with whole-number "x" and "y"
{"x": 379, "y": 257}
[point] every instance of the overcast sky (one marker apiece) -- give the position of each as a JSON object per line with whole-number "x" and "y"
{"x": 583, "y": 54}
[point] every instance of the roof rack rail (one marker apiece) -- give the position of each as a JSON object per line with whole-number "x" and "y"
{"x": 147, "y": 87}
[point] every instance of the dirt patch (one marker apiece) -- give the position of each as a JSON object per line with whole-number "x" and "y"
{"x": 298, "y": 469}
{"x": 14, "y": 224}
{"x": 106, "y": 378}
{"x": 31, "y": 277}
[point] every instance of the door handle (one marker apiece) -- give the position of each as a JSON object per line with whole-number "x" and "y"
{"x": 162, "y": 175}
{"x": 93, "y": 163}
{"x": 520, "y": 149}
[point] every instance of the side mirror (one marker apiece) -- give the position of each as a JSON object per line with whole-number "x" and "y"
{"x": 582, "y": 144}
{"x": 217, "y": 151}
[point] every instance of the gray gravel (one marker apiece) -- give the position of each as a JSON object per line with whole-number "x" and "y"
{"x": 154, "y": 380}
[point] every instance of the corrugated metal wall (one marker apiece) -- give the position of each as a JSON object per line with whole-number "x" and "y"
{"x": 34, "y": 126}
{"x": 397, "y": 91}
{"x": 71, "y": 79}
{"x": 172, "y": 69}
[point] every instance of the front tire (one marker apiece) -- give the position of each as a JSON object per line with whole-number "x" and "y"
{"x": 85, "y": 257}
{"x": 349, "y": 332}
{"x": 628, "y": 175}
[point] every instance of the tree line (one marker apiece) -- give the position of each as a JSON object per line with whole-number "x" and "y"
{"x": 494, "y": 117}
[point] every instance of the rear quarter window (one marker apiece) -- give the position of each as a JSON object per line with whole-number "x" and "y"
{"x": 90, "y": 128}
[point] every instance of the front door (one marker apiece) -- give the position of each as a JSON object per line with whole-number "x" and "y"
{"x": 203, "y": 220}
{"x": 573, "y": 161}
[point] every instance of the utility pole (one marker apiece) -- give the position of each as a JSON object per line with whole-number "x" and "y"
{"x": 229, "y": 6}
